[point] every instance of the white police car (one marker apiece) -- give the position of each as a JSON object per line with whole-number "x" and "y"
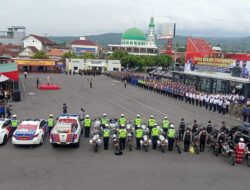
{"x": 5, "y": 130}
{"x": 30, "y": 132}
{"x": 67, "y": 131}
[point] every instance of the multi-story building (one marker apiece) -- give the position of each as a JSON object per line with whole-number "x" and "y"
{"x": 14, "y": 35}
{"x": 83, "y": 45}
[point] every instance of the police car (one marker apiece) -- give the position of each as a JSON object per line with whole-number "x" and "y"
{"x": 5, "y": 130}
{"x": 67, "y": 131}
{"x": 30, "y": 132}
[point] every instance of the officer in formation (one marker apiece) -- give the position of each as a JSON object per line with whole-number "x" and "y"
{"x": 165, "y": 125}
{"x": 137, "y": 121}
{"x": 138, "y": 136}
{"x": 106, "y": 136}
{"x": 209, "y": 128}
{"x": 187, "y": 139}
{"x": 51, "y": 122}
{"x": 203, "y": 139}
{"x": 151, "y": 124}
{"x": 122, "y": 135}
{"x": 122, "y": 120}
{"x": 87, "y": 124}
{"x": 171, "y": 137}
{"x": 14, "y": 122}
{"x": 104, "y": 120}
{"x": 155, "y": 135}
{"x": 182, "y": 128}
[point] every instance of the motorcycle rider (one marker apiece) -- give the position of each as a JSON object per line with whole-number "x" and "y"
{"x": 195, "y": 127}
{"x": 203, "y": 138}
{"x": 122, "y": 134}
{"x": 165, "y": 125}
{"x": 209, "y": 128}
{"x": 106, "y": 135}
{"x": 87, "y": 125}
{"x": 122, "y": 120}
{"x": 221, "y": 139}
{"x": 187, "y": 138}
{"x": 137, "y": 121}
{"x": 104, "y": 120}
{"x": 224, "y": 127}
{"x": 182, "y": 128}
{"x": 155, "y": 135}
{"x": 151, "y": 124}
{"x": 240, "y": 150}
{"x": 138, "y": 136}
{"x": 171, "y": 137}
{"x": 14, "y": 122}
{"x": 50, "y": 122}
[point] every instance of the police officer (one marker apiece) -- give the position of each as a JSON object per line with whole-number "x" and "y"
{"x": 14, "y": 122}
{"x": 90, "y": 83}
{"x": 195, "y": 127}
{"x": 165, "y": 125}
{"x": 203, "y": 138}
{"x": 209, "y": 128}
{"x": 138, "y": 136}
{"x": 106, "y": 135}
{"x": 122, "y": 134}
{"x": 137, "y": 121}
{"x": 51, "y": 122}
{"x": 87, "y": 125}
{"x": 155, "y": 135}
{"x": 65, "y": 108}
{"x": 171, "y": 137}
{"x": 151, "y": 124}
{"x": 122, "y": 120}
{"x": 187, "y": 138}
{"x": 182, "y": 128}
{"x": 104, "y": 120}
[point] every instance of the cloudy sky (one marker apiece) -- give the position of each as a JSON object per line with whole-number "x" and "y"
{"x": 84, "y": 17}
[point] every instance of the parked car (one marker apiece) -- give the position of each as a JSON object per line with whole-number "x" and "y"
{"x": 5, "y": 130}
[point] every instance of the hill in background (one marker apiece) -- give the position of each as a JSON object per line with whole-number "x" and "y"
{"x": 227, "y": 44}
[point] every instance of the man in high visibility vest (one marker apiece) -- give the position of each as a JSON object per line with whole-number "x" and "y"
{"x": 155, "y": 135}
{"x": 165, "y": 125}
{"x": 14, "y": 122}
{"x": 138, "y": 136}
{"x": 151, "y": 124}
{"x": 122, "y": 120}
{"x": 51, "y": 122}
{"x": 137, "y": 121}
{"x": 106, "y": 135}
{"x": 122, "y": 134}
{"x": 104, "y": 120}
{"x": 171, "y": 137}
{"x": 87, "y": 125}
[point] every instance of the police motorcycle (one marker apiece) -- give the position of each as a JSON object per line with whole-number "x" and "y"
{"x": 226, "y": 149}
{"x": 130, "y": 133}
{"x": 162, "y": 142}
{"x": 96, "y": 134}
{"x": 212, "y": 139}
{"x": 113, "y": 125}
{"x": 146, "y": 141}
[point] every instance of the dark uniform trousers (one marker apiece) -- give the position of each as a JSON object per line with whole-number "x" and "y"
{"x": 186, "y": 146}
{"x": 154, "y": 142}
{"x": 138, "y": 143}
{"x": 202, "y": 145}
{"x": 122, "y": 142}
{"x": 106, "y": 143}
{"x": 87, "y": 130}
{"x": 170, "y": 144}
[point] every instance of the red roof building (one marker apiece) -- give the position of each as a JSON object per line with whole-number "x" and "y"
{"x": 83, "y": 45}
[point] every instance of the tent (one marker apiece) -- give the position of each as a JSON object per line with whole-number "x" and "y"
{"x": 8, "y": 71}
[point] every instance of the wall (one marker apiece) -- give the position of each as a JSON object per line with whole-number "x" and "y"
{"x": 31, "y": 41}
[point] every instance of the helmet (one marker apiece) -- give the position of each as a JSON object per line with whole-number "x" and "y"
{"x": 14, "y": 115}
{"x": 138, "y": 115}
{"x": 172, "y": 126}
{"x": 87, "y": 115}
{"x": 151, "y": 116}
{"x": 122, "y": 115}
{"x": 138, "y": 126}
{"x": 165, "y": 117}
{"x": 104, "y": 115}
{"x": 51, "y": 115}
{"x": 241, "y": 139}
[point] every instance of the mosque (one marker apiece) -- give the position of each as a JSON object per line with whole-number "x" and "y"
{"x": 135, "y": 41}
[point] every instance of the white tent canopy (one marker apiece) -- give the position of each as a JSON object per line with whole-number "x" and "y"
{"x": 3, "y": 78}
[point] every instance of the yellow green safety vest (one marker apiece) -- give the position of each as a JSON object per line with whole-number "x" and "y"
{"x": 104, "y": 121}
{"x": 14, "y": 123}
{"x": 138, "y": 121}
{"x": 155, "y": 131}
{"x": 151, "y": 122}
{"x": 50, "y": 122}
{"x": 106, "y": 133}
{"x": 122, "y": 133}
{"x": 87, "y": 122}
{"x": 171, "y": 133}
{"x": 165, "y": 124}
{"x": 122, "y": 121}
{"x": 138, "y": 133}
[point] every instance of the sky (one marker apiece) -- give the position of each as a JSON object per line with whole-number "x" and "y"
{"x": 217, "y": 18}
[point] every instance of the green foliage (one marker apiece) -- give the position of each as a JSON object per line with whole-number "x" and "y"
{"x": 69, "y": 55}
{"x": 87, "y": 55}
{"x": 40, "y": 55}
{"x": 140, "y": 62}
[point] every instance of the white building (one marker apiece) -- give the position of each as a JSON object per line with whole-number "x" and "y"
{"x": 39, "y": 42}
{"x": 84, "y": 45}
{"x": 14, "y": 35}
{"x": 90, "y": 64}
{"x": 28, "y": 52}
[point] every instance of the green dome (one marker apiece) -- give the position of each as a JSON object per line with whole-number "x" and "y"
{"x": 134, "y": 34}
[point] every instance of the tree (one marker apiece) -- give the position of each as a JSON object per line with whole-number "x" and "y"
{"x": 87, "y": 55}
{"x": 69, "y": 55}
{"x": 40, "y": 55}
{"x": 118, "y": 54}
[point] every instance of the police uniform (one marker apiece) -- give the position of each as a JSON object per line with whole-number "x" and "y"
{"x": 155, "y": 135}
{"x": 187, "y": 138}
{"x": 87, "y": 125}
{"x": 138, "y": 136}
{"x": 51, "y": 123}
{"x": 122, "y": 134}
{"x": 171, "y": 138}
{"x": 203, "y": 138}
{"x": 106, "y": 135}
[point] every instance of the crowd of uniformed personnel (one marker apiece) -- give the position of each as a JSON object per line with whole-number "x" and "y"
{"x": 235, "y": 105}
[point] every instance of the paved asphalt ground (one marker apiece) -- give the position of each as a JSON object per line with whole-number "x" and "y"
{"x": 45, "y": 168}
